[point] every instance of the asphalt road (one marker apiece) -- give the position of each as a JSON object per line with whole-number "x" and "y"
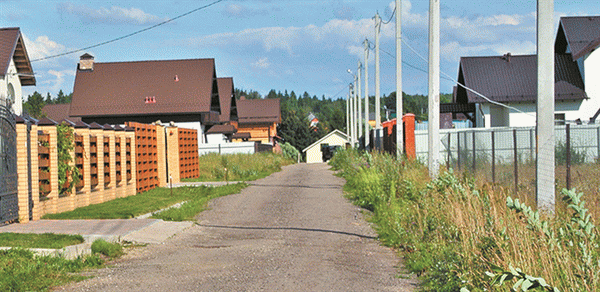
{"x": 292, "y": 231}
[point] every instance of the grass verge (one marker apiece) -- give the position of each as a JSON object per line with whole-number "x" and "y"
{"x": 21, "y": 270}
{"x": 239, "y": 167}
{"x": 458, "y": 234}
{"x": 150, "y": 201}
{"x": 46, "y": 240}
{"x": 109, "y": 249}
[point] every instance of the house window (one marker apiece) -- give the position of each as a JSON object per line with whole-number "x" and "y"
{"x": 559, "y": 119}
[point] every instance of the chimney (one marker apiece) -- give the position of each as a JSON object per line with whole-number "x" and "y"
{"x": 86, "y": 62}
{"x": 506, "y": 57}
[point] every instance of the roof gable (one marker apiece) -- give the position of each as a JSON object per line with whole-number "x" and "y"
{"x": 259, "y": 110}
{"x": 514, "y": 78}
{"x": 227, "y": 99}
{"x": 578, "y": 35}
{"x": 59, "y": 112}
{"x": 334, "y": 132}
{"x": 146, "y": 87}
{"x": 12, "y": 47}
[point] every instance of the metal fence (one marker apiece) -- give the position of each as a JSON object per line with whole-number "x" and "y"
{"x": 8, "y": 164}
{"x": 509, "y": 154}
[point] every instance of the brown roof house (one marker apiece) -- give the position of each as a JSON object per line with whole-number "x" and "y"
{"x": 182, "y": 91}
{"x": 15, "y": 68}
{"x": 258, "y": 118}
{"x": 59, "y": 112}
{"x": 223, "y": 132}
{"x": 512, "y": 80}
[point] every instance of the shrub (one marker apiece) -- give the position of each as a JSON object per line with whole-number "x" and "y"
{"x": 289, "y": 151}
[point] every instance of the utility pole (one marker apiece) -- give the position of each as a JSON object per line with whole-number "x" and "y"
{"x": 434, "y": 88}
{"x": 377, "y": 87}
{"x": 367, "y": 134}
{"x": 348, "y": 117}
{"x": 545, "y": 107}
{"x": 399, "y": 109}
{"x": 351, "y": 101}
{"x": 353, "y": 113}
{"x": 359, "y": 99}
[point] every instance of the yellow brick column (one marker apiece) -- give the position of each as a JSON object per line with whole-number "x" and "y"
{"x": 97, "y": 194}
{"x": 121, "y": 189}
{"x": 50, "y": 206}
{"x": 173, "y": 153}
{"x": 110, "y": 193}
{"x": 22, "y": 171}
{"x": 161, "y": 152}
{"x": 131, "y": 184}
{"x": 35, "y": 175}
{"x": 82, "y": 198}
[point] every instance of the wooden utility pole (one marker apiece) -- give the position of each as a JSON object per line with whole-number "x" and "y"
{"x": 545, "y": 106}
{"x": 434, "y": 89}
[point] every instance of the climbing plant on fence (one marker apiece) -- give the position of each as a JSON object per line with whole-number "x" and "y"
{"x": 68, "y": 174}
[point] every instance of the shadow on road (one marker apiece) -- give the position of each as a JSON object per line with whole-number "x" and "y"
{"x": 286, "y": 228}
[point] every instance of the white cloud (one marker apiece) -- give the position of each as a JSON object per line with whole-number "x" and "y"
{"x": 242, "y": 11}
{"x": 262, "y": 63}
{"x": 114, "y": 14}
{"x": 57, "y": 83}
{"x": 42, "y": 47}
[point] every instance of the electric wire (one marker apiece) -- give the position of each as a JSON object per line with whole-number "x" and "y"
{"x": 393, "y": 12}
{"x": 128, "y": 35}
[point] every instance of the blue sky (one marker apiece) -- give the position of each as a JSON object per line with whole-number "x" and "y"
{"x": 294, "y": 45}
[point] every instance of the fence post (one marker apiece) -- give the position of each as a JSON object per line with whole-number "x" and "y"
{"x": 448, "y": 153}
{"x": 493, "y": 158}
{"x": 516, "y": 161}
{"x": 474, "y": 151}
{"x": 458, "y": 149}
{"x": 568, "y": 146}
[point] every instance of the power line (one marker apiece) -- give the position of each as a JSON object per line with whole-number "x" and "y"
{"x": 128, "y": 35}
{"x": 393, "y": 12}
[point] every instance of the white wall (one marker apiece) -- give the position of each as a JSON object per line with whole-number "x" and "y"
{"x": 13, "y": 79}
{"x": 591, "y": 79}
{"x": 526, "y": 118}
{"x": 216, "y": 138}
{"x": 226, "y": 148}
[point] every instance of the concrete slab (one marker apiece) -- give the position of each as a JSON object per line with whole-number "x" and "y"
{"x": 207, "y": 183}
{"x": 157, "y": 232}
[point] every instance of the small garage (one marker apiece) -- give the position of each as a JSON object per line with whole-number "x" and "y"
{"x": 323, "y": 149}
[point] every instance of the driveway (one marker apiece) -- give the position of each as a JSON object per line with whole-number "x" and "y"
{"x": 291, "y": 231}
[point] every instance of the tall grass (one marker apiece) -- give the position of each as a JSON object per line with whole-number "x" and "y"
{"x": 453, "y": 230}
{"x": 239, "y": 167}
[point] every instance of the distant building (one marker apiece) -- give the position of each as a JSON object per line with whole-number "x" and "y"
{"x": 314, "y": 152}
{"x": 182, "y": 91}
{"x": 15, "y": 68}
{"x": 313, "y": 121}
{"x": 259, "y": 119}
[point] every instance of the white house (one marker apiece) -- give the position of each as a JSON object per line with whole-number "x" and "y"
{"x": 334, "y": 138}
{"x": 15, "y": 68}
{"x": 512, "y": 80}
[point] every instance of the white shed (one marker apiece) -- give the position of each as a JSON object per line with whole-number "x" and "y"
{"x": 334, "y": 138}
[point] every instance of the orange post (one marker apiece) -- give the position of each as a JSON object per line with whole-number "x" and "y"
{"x": 409, "y": 136}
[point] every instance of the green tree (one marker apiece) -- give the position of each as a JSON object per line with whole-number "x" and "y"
{"x": 34, "y": 105}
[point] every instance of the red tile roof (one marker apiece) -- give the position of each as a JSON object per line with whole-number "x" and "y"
{"x": 146, "y": 88}
{"x": 12, "y": 47}
{"x": 259, "y": 111}
{"x": 227, "y": 100}
{"x": 514, "y": 79}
